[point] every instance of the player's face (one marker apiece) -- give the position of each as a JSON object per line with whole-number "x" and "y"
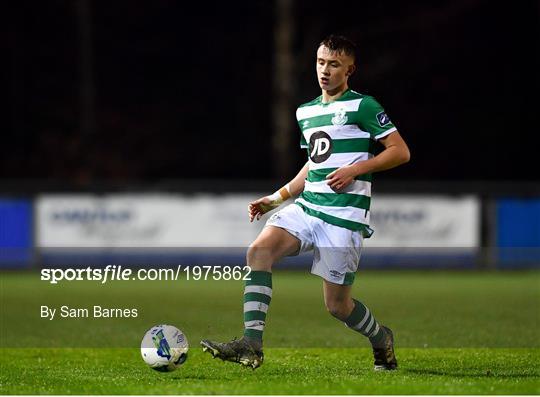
{"x": 333, "y": 69}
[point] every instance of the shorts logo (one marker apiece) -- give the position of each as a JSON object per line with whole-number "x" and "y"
{"x": 340, "y": 117}
{"x": 275, "y": 217}
{"x": 336, "y": 274}
{"x": 305, "y": 124}
{"x": 383, "y": 119}
{"x": 320, "y": 146}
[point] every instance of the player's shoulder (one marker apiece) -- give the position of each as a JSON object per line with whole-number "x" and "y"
{"x": 368, "y": 103}
{"x": 352, "y": 94}
{"x": 301, "y": 110}
{"x": 313, "y": 102}
{"x": 366, "y": 99}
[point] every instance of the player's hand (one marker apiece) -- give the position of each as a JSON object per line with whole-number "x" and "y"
{"x": 257, "y": 208}
{"x": 341, "y": 178}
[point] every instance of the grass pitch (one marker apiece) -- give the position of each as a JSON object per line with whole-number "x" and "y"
{"x": 287, "y": 371}
{"x": 456, "y": 333}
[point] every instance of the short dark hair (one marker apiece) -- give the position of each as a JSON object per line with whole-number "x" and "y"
{"x": 340, "y": 44}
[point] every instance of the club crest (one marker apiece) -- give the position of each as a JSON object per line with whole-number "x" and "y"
{"x": 340, "y": 117}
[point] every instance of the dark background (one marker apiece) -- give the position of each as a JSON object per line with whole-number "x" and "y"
{"x": 184, "y": 90}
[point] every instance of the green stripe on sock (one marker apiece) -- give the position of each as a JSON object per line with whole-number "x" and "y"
{"x": 260, "y": 278}
{"x": 255, "y": 296}
{"x": 253, "y": 333}
{"x": 357, "y": 314}
{"x": 254, "y": 315}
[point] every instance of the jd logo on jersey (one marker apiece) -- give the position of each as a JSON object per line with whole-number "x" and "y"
{"x": 320, "y": 146}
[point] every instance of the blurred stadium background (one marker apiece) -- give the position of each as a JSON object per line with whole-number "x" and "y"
{"x": 138, "y": 131}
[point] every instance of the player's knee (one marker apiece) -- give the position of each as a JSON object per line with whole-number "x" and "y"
{"x": 259, "y": 256}
{"x": 337, "y": 308}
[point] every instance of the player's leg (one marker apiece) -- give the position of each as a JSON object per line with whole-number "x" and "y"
{"x": 336, "y": 259}
{"x": 337, "y": 299}
{"x": 353, "y": 313}
{"x": 358, "y": 317}
{"x": 273, "y": 243}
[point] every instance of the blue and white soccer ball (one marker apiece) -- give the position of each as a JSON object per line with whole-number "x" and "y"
{"x": 164, "y": 348}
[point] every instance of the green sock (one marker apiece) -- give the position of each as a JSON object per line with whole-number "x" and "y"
{"x": 361, "y": 320}
{"x": 257, "y": 296}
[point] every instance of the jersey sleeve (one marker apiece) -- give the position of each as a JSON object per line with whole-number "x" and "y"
{"x": 373, "y": 119}
{"x": 303, "y": 143}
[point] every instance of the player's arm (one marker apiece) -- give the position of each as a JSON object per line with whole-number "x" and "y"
{"x": 259, "y": 207}
{"x": 396, "y": 152}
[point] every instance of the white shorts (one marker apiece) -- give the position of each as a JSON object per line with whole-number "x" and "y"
{"x": 336, "y": 250}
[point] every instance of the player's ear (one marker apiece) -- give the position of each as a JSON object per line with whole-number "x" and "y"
{"x": 351, "y": 70}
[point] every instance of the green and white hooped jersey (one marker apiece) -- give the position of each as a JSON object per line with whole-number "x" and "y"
{"x": 336, "y": 134}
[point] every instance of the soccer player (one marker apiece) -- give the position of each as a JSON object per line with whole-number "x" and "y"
{"x": 331, "y": 214}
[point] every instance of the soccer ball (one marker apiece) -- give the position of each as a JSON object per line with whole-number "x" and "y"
{"x": 164, "y": 348}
